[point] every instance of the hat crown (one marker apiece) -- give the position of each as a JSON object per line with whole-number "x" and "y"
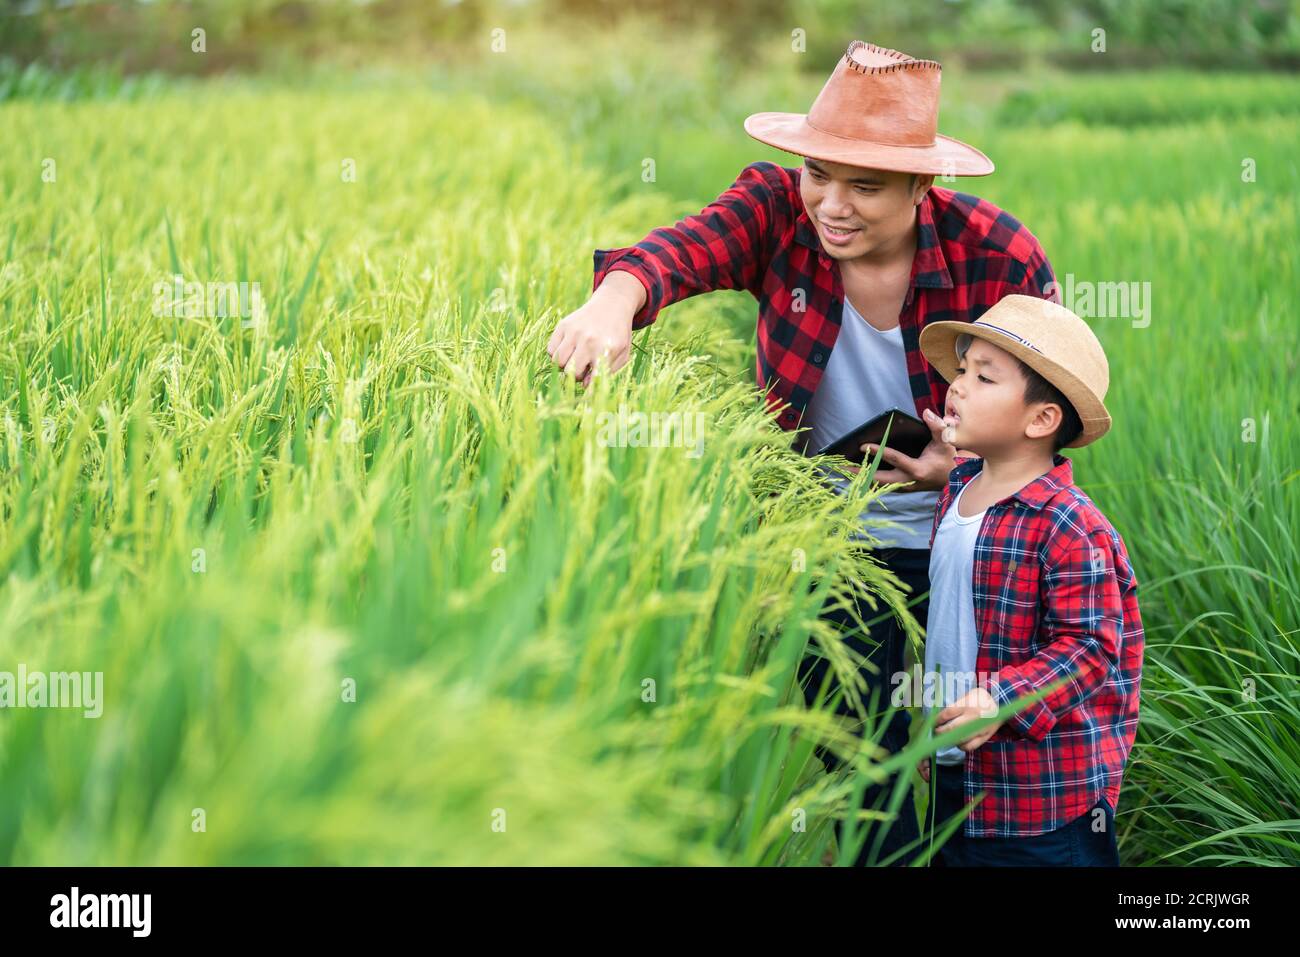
{"x": 1053, "y": 331}
{"x": 879, "y": 110}
{"x": 880, "y": 96}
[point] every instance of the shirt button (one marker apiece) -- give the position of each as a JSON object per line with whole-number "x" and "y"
{"x": 817, "y": 357}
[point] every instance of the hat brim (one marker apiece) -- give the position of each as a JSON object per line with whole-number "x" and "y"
{"x": 792, "y": 133}
{"x": 939, "y": 346}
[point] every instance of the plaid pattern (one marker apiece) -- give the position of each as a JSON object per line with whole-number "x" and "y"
{"x": 1055, "y": 597}
{"x": 757, "y": 236}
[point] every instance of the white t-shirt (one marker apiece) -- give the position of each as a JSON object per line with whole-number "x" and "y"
{"x": 866, "y": 375}
{"x": 951, "y": 641}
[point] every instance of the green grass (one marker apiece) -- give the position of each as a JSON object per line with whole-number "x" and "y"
{"x": 385, "y": 482}
{"x": 1145, "y": 99}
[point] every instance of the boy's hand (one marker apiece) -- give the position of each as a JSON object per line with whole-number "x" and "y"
{"x": 924, "y": 769}
{"x": 971, "y": 706}
{"x": 927, "y": 472}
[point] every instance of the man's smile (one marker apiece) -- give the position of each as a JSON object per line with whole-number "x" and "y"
{"x": 839, "y": 237}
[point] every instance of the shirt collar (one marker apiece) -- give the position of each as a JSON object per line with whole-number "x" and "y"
{"x": 929, "y": 267}
{"x": 1036, "y": 494}
{"x": 804, "y": 232}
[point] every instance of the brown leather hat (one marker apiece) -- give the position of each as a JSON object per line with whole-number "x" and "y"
{"x": 880, "y": 110}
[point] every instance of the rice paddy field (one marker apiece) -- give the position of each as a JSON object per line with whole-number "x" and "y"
{"x": 366, "y": 585}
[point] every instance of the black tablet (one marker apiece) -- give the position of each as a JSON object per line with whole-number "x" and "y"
{"x": 907, "y": 434}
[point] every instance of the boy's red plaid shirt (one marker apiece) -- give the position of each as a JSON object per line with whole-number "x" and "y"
{"x": 1055, "y": 598}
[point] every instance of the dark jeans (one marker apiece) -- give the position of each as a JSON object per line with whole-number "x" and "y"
{"x": 1075, "y": 844}
{"x": 884, "y": 648}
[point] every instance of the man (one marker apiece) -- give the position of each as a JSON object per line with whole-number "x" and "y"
{"x": 849, "y": 257}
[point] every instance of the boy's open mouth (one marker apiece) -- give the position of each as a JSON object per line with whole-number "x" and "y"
{"x": 951, "y": 420}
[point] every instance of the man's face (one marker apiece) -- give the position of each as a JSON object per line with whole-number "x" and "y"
{"x": 878, "y": 206}
{"x": 987, "y": 399}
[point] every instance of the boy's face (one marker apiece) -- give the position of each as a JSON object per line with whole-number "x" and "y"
{"x": 987, "y": 399}
{"x": 877, "y": 206}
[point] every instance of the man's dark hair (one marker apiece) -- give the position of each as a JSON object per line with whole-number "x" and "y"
{"x": 1038, "y": 389}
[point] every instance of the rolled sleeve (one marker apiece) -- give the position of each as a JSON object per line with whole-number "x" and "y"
{"x": 1034, "y": 721}
{"x": 632, "y": 259}
{"x": 726, "y": 245}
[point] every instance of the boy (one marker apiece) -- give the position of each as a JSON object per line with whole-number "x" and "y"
{"x": 1030, "y": 586}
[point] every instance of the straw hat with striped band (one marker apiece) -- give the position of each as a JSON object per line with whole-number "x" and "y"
{"x": 1048, "y": 338}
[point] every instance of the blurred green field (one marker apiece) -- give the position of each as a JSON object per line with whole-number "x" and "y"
{"x": 381, "y": 483}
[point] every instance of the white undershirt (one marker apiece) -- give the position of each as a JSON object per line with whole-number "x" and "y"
{"x": 866, "y": 375}
{"x": 951, "y": 640}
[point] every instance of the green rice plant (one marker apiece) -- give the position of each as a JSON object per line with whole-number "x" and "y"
{"x": 367, "y": 581}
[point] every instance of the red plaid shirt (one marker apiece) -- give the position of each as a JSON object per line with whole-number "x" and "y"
{"x": 1055, "y": 597}
{"x": 757, "y": 236}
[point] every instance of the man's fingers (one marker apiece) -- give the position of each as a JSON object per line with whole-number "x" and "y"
{"x": 553, "y": 343}
{"x": 892, "y": 456}
{"x": 564, "y": 350}
{"x": 606, "y": 363}
{"x": 890, "y": 476}
{"x": 563, "y": 341}
{"x": 577, "y": 368}
{"x": 582, "y": 360}
{"x": 903, "y": 465}
{"x": 598, "y": 357}
{"x": 599, "y": 366}
{"x": 870, "y": 450}
{"x": 612, "y": 360}
{"x": 578, "y": 362}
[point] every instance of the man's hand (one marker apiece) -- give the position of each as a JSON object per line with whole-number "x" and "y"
{"x": 924, "y": 767}
{"x": 971, "y": 706}
{"x": 927, "y": 472}
{"x": 601, "y": 330}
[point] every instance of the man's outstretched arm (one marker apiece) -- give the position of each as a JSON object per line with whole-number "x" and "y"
{"x": 721, "y": 247}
